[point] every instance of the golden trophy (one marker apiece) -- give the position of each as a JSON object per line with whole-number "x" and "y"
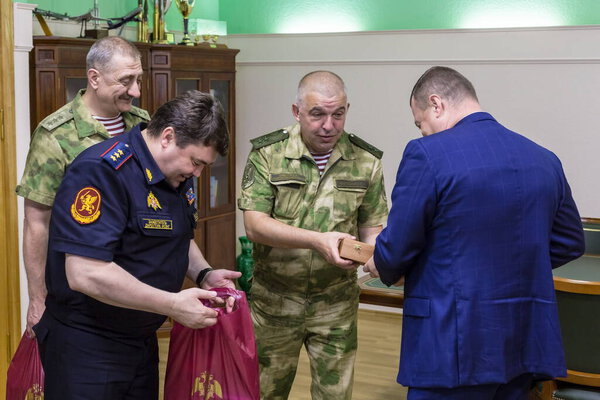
{"x": 142, "y": 27}
{"x": 185, "y": 8}
{"x": 160, "y": 9}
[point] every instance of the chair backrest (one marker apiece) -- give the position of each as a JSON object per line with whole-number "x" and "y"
{"x": 579, "y": 311}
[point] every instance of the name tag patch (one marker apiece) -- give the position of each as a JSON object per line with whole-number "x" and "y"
{"x": 157, "y": 223}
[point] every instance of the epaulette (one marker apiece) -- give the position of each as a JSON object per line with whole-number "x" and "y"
{"x": 269, "y": 138}
{"x": 117, "y": 154}
{"x": 365, "y": 146}
{"x": 54, "y": 120}
{"x": 140, "y": 112}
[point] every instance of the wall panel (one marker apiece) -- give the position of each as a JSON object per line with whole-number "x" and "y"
{"x": 540, "y": 82}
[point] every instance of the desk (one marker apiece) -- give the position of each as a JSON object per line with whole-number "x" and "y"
{"x": 579, "y": 276}
{"x": 373, "y": 291}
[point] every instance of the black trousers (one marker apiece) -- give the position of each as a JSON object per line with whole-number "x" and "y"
{"x": 516, "y": 389}
{"x": 82, "y": 365}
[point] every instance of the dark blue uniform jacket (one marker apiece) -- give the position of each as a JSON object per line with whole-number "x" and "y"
{"x": 115, "y": 205}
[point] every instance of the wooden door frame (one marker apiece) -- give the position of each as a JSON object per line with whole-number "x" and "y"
{"x": 10, "y": 308}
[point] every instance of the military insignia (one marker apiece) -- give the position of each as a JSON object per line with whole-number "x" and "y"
{"x": 117, "y": 154}
{"x": 207, "y": 387}
{"x": 190, "y": 195}
{"x": 149, "y": 175}
{"x": 269, "y": 138}
{"x": 365, "y": 146}
{"x": 86, "y": 207}
{"x": 196, "y": 216}
{"x": 248, "y": 179}
{"x": 153, "y": 202}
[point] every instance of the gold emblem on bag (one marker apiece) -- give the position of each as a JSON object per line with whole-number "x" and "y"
{"x": 207, "y": 387}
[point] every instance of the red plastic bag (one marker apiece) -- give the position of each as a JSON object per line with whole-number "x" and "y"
{"x": 214, "y": 363}
{"x": 25, "y": 377}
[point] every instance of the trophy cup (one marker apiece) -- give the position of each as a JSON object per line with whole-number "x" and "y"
{"x": 160, "y": 9}
{"x": 142, "y": 27}
{"x": 185, "y": 8}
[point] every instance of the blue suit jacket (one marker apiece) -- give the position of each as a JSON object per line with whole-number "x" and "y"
{"x": 480, "y": 215}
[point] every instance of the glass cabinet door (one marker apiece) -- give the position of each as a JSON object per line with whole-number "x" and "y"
{"x": 183, "y": 85}
{"x": 220, "y": 177}
{"x": 73, "y": 85}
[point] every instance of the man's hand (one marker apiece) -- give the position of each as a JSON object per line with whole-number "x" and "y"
{"x": 328, "y": 246}
{"x": 222, "y": 278}
{"x": 34, "y": 313}
{"x": 371, "y": 268}
{"x": 188, "y": 310}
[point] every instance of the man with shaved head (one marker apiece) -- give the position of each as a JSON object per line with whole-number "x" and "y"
{"x": 305, "y": 188}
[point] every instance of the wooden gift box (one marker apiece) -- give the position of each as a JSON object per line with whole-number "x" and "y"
{"x": 356, "y": 251}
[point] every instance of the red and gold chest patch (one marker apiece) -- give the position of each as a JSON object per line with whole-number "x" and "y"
{"x": 86, "y": 207}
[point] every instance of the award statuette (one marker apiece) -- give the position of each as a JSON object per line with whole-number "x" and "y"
{"x": 185, "y": 8}
{"x": 160, "y": 9}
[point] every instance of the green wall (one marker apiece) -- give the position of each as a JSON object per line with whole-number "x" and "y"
{"x": 285, "y": 16}
{"x": 304, "y": 16}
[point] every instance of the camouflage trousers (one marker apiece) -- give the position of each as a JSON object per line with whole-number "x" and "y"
{"x": 326, "y": 327}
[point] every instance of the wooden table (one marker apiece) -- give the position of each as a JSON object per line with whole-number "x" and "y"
{"x": 373, "y": 291}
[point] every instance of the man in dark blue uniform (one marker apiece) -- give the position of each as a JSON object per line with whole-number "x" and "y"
{"x": 120, "y": 244}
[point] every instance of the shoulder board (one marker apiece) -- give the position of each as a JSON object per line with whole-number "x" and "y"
{"x": 269, "y": 138}
{"x": 56, "y": 119}
{"x": 140, "y": 112}
{"x": 364, "y": 145}
{"x": 117, "y": 154}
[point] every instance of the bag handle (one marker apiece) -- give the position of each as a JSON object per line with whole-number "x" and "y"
{"x": 224, "y": 293}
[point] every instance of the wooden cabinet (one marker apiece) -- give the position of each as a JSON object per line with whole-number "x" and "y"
{"x": 58, "y": 71}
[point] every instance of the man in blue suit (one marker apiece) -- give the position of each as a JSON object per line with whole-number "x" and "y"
{"x": 480, "y": 216}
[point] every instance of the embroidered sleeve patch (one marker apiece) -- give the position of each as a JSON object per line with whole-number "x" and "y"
{"x": 86, "y": 207}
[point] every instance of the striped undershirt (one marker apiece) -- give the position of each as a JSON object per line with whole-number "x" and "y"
{"x": 114, "y": 125}
{"x": 321, "y": 160}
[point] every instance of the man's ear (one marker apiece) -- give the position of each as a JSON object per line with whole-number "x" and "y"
{"x": 438, "y": 105}
{"x": 296, "y": 111}
{"x": 167, "y": 137}
{"x": 93, "y": 75}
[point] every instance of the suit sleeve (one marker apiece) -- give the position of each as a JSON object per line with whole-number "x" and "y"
{"x": 402, "y": 242}
{"x": 567, "y": 240}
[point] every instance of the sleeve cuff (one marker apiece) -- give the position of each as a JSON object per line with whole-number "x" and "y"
{"x": 81, "y": 249}
{"x": 246, "y": 204}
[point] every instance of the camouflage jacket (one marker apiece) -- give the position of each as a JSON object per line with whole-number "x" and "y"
{"x": 57, "y": 140}
{"x": 281, "y": 179}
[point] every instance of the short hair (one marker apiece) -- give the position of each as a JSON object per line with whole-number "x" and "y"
{"x": 104, "y": 50}
{"x": 445, "y": 82}
{"x": 196, "y": 118}
{"x": 326, "y": 80}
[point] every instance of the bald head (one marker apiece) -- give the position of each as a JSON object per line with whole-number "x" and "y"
{"x": 325, "y": 83}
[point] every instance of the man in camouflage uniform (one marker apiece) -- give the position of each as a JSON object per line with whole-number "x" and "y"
{"x": 303, "y": 292}
{"x": 114, "y": 71}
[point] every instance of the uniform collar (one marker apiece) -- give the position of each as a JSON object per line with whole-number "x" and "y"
{"x": 152, "y": 173}
{"x": 475, "y": 117}
{"x": 85, "y": 124}
{"x": 296, "y": 148}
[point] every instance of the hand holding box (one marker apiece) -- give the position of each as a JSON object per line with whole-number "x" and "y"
{"x": 356, "y": 251}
